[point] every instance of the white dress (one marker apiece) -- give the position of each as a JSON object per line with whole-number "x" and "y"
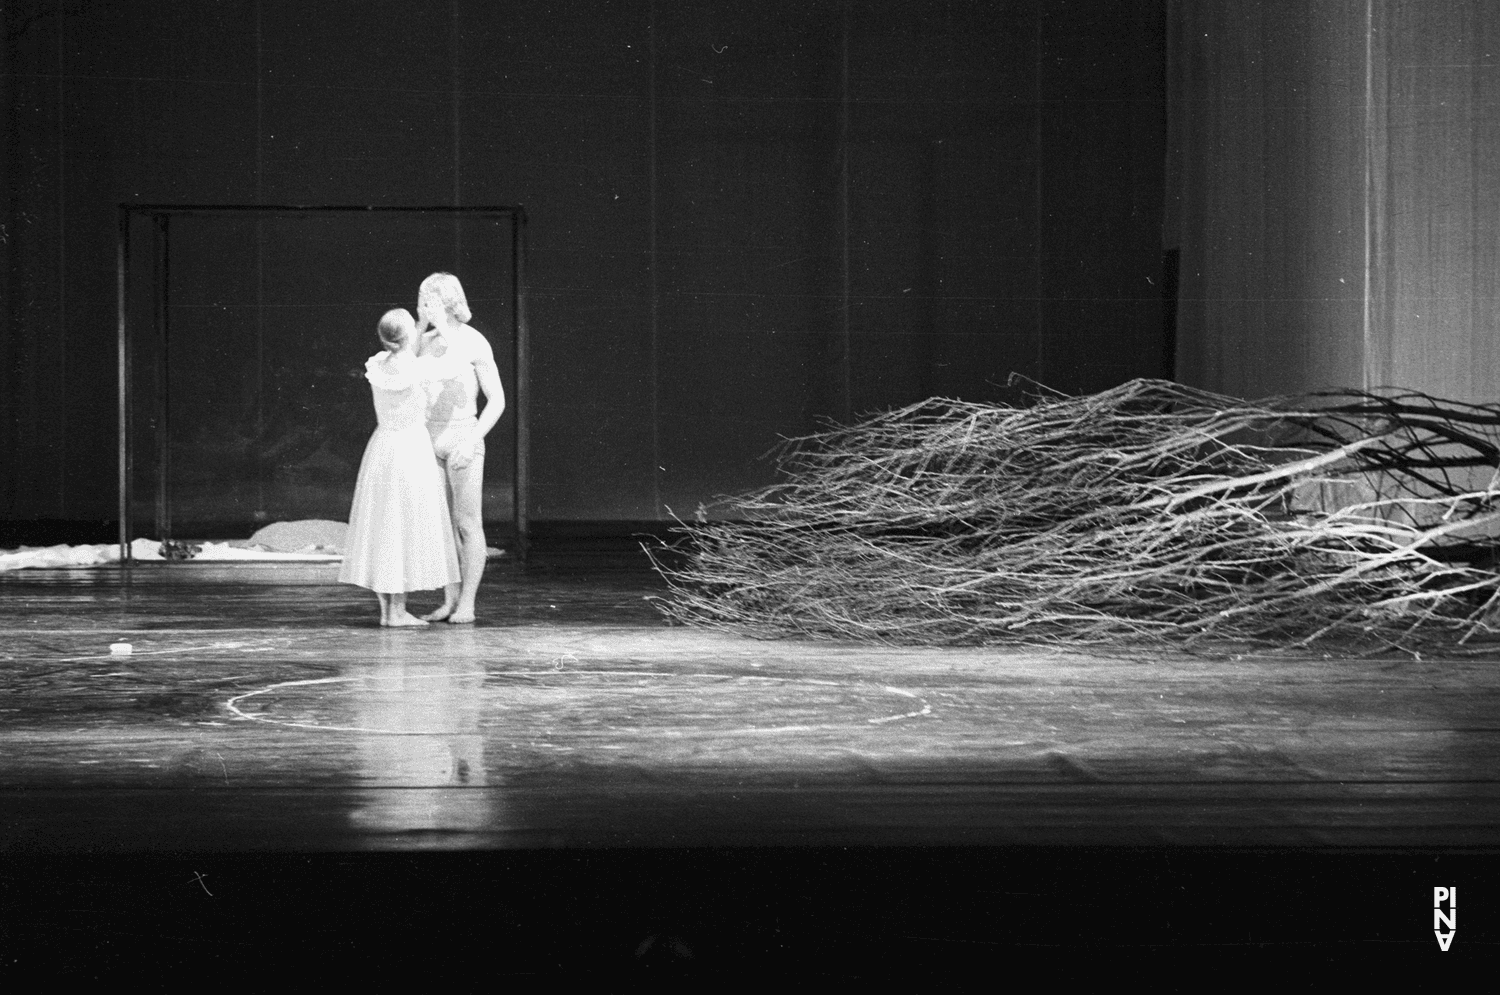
{"x": 400, "y": 531}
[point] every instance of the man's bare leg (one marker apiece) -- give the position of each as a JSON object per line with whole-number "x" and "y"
{"x": 467, "y": 488}
{"x": 466, "y": 505}
{"x": 451, "y": 592}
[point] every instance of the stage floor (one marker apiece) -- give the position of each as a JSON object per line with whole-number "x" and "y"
{"x": 574, "y": 785}
{"x": 262, "y": 709}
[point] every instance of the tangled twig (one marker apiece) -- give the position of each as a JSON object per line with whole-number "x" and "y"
{"x": 1147, "y": 513}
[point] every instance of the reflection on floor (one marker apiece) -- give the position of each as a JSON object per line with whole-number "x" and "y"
{"x": 262, "y": 708}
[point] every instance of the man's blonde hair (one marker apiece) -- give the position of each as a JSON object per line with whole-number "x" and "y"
{"x": 446, "y": 288}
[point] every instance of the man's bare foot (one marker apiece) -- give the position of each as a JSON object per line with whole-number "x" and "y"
{"x": 404, "y": 618}
{"x": 440, "y": 614}
{"x": 461, "y": 616}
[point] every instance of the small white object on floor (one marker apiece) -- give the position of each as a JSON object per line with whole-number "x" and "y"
{"x": 121, "y": 649}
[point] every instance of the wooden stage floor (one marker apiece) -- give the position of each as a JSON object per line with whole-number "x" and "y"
{"x": 262, "y": 711}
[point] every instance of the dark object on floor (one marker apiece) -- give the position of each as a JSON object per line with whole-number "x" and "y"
{"x": 178, "y": 550}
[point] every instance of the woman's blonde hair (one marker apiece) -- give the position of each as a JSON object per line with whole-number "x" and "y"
{"x": 446, "y": 288}
{"x": 396, "y": 328}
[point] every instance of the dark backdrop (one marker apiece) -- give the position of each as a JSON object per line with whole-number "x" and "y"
{"x": 744, "y": 216}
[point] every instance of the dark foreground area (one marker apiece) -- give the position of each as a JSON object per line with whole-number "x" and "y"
{"x": 820, "y": 914}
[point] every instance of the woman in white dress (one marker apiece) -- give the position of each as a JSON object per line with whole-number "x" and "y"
{"x": 400, "y": 535}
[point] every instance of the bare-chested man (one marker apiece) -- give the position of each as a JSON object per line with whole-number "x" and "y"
{"x": 458, "y": 428}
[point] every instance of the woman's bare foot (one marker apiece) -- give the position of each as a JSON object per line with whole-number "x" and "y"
{"x": 441, "y": 614}
{"x": 404, "y": 618}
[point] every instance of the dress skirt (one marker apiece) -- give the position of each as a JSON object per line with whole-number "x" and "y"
{"x": 400, "y": 531}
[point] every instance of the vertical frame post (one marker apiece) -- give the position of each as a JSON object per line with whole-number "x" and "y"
{"x": 122, "y": 258}
{"x": 523, "y": 384}
{"x": 159, "y": 244}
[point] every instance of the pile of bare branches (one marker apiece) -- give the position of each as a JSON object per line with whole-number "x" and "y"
{"x": 1146, "y": 513}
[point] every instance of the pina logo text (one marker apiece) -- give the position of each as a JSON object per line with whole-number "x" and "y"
{"x": 1445, "y": 918}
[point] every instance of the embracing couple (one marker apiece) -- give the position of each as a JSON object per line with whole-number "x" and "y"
{"x": 417, "y": 518}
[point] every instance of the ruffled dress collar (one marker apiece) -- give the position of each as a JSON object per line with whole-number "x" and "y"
{"x": 381, "y": 373}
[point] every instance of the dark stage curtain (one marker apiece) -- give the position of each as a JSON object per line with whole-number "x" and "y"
{"x": 742, "y": 219}
{"x": 1334, "y": 192}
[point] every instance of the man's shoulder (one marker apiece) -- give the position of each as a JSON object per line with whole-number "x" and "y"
{"x": 474, "y": 344}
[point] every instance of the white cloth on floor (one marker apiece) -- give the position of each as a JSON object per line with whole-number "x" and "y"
{"x": 89, "y": 555}
{"x": 311, "y": 535}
